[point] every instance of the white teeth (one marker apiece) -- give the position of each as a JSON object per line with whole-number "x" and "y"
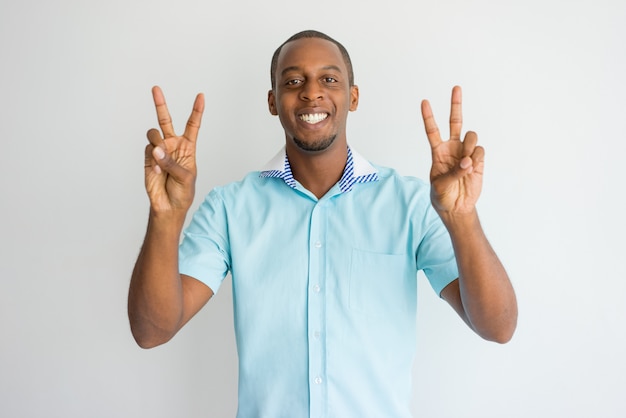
{"x": 313, "y": 117}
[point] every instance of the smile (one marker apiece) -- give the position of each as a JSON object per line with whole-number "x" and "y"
{"x": 313, "y": 118}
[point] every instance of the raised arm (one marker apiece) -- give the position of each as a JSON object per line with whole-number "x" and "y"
{"x": 483, "y": 295}
{"x": 160, "y": 300}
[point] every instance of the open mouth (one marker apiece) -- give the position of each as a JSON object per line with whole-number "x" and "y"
{"x": 313, "y": 118}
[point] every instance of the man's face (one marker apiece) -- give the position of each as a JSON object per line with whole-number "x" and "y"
{"x": 312, "y": 96}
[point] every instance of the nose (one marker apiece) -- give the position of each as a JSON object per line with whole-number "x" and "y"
{"x": 311, "y": 91}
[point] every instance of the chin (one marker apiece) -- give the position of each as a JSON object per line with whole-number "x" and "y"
{"x": 315, "y": 146}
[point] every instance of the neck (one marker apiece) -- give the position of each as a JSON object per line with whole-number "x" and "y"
{"x": 318, "y": 172}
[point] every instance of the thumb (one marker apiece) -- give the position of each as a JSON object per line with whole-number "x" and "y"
{"x": 465, "y": 166}
{"x": 166, "y": 163}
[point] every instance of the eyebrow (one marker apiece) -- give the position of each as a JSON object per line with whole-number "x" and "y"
{"x": 296, "y": 68}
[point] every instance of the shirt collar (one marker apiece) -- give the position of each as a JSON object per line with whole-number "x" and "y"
{"x": 357, "y": 170}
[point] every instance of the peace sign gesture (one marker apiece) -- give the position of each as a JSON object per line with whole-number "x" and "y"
{"x": 457, "y": 170}
{"x": 170, "y": 160}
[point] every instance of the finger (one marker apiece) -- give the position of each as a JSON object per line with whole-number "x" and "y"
{"x": 473, "y": 162}
{"x": 465, "y": 166}
{"x": 150, "y": 163}
{"x": 469, "y": 146}
{"x": 163, "y": 115}
{"x": 478, "y": 157}
{"x": 456, "y": 114}
{"x": 169, "y": 166}
{"x": 432, "y": 131}
{"x": 155, "y": 138}
{"x": 469, "y": 143}
{"x": 193, "y": 124}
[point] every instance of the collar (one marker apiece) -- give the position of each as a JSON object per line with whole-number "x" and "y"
{"x": 357, "y": 170}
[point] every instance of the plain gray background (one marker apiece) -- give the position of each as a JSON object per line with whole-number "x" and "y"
{"x": 543, "y": 86}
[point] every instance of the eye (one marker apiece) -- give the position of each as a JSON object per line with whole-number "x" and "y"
{"x": 330, "y": 80}
{"x": 293, "y": 82}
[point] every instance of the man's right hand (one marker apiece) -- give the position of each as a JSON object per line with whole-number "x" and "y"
{"x": 170, "y": 160}
{"x": 160, "y": 299}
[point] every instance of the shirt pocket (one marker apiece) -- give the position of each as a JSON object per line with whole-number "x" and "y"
{"x": 380, "y": 284}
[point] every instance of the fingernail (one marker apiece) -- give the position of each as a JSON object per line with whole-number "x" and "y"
{"x": 159, "y": 153}
{"x": 466, "y": 162}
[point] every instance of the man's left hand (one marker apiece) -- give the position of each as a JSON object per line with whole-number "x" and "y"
{"x": 456, "y": 174}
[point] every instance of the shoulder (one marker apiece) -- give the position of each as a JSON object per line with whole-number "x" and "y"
{"x": 390, "y": 179}
{"x": 250, "y": 180}
{"x": 250, "y": 188}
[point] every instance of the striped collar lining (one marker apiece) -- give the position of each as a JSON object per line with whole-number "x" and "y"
{"x": 357, "y": 170}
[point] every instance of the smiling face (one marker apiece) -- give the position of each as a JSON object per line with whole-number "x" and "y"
{"x": 312, "y": 96}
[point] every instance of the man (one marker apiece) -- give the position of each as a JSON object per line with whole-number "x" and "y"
{"x": 323, "y": 248}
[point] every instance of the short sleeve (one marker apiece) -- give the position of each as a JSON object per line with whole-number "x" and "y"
{"x": 435, "y": 254}
{"x": 204, "y": 251}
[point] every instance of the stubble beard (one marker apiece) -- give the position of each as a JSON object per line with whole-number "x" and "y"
{"x": 316, "y": 146}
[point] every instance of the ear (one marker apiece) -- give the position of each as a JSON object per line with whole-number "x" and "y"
{"x": 271, "y": 102}
{"x": 354, "y": 98}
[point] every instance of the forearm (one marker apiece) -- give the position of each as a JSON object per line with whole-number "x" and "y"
{"x": 155, "y": 299}
{"x": 486, "y": 293}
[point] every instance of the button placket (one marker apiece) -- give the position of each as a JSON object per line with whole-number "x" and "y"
{"x": 316, "y": 311}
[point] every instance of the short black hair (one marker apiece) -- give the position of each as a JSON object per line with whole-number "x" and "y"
{"x": 311, "y": 34}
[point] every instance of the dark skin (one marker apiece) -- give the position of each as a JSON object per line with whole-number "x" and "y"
{"x": 160, "y": 300}
{"x": 313, "y": 81}
{"x": 312, "y": 98}
{"x": 483, "y": 295}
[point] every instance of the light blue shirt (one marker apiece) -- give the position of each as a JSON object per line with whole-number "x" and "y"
{"x": 324, "y": 289}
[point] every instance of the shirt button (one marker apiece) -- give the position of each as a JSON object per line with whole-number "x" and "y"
{"x": 316, "y": 335}
{"x": 317, "y": 288}
{"x": 318, "y": 244}
{"x": 318, "y": 380}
